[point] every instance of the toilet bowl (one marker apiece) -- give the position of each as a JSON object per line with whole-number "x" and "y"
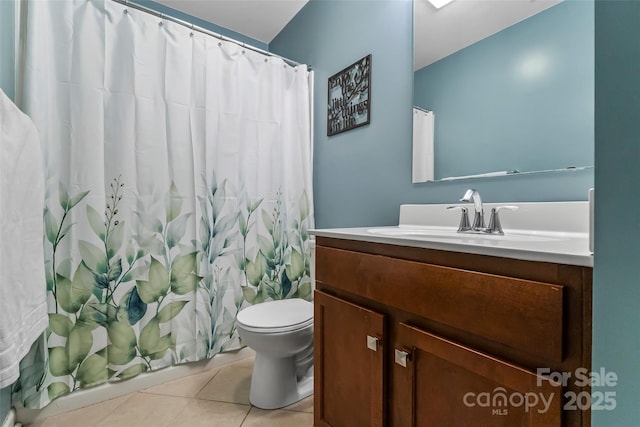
{"x": 281, "y": 334}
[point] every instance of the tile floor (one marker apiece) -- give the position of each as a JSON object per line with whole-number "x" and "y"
{"x": 215, "y": 398}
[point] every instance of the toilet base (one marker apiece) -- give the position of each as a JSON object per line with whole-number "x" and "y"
{"x": 274, "y": 383}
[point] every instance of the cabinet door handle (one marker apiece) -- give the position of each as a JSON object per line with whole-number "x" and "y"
{"x": 372, "y": 343}
{"x": 401, "y": 358}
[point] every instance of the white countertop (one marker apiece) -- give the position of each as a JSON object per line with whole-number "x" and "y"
{"x": 572, "y": 248}
{"x": 537, "y": 242}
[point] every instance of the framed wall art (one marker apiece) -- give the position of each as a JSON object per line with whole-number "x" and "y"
{"x": 349, "y": 97}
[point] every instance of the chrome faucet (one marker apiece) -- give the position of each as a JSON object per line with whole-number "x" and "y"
{"x": 478, "y": 219}
{"x": 478, "y": 226}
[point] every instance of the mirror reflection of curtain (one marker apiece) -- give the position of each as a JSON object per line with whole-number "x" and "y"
{"x": 423, "y": 162}
{"x": 178, "y": 191}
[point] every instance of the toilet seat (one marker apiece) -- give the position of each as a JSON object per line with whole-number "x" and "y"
{"x": 262, "y": 330}
{"x": 276, "y": 316}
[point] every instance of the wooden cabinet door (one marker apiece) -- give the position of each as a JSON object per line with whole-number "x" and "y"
{"x": 348, "y": 364}
{"x": 445, "y": 384}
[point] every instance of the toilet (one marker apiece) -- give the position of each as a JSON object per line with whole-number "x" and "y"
{"x": 281, "y": 334}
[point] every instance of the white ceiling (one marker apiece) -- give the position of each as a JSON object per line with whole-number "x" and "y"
{"x": 437, "y": 32}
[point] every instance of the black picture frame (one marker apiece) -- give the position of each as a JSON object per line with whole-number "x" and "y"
{"x": 349, "y": 97}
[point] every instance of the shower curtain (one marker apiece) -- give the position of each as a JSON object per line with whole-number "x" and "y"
{"x": 178, "y": 190}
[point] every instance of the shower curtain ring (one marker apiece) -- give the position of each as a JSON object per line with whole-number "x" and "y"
{"x": 191, "y": 34}
{"x": 161, "y": 18}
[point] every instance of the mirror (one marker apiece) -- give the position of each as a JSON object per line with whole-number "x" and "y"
{"x": 510, "y": 84}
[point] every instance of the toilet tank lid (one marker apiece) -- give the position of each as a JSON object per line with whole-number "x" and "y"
{"x": 277, "y": 314}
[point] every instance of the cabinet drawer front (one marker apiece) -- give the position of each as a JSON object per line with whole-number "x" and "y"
{"x": 451, "y": 384}
{"x": 522, "y": 314}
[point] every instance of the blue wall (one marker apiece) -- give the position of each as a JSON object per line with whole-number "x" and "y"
{"x": 520, "y": 99}
{"x": 616, "y": 295}
{"x": 360, "y": 176}
{"x": 7, "y": 77}
{"x": 363, "y": 175}
{"x": 352, "y": 183}
{"x": 7, "y": 46}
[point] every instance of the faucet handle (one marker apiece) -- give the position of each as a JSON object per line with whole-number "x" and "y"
{"x": 464, "y": 218}
{"x": 494, "y": 222}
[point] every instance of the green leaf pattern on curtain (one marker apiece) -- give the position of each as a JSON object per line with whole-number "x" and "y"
{"x": 122, "y": 309}
{"x": 176, "y": 168}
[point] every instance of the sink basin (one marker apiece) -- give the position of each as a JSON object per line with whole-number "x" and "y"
{"x": 452, "y": 234}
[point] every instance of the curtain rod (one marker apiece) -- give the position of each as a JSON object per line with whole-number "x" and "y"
{"x": 193, "y": 27}
{"x": 422, "y": 109}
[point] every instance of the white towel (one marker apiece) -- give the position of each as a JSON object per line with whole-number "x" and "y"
{"x": 423, "y": 124}
{"x": 23, "y": 293}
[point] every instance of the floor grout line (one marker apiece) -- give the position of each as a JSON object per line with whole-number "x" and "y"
{"x": 246, "y": 416}
{"x": 248, "y": 407}
{"x": 202, "y": 399}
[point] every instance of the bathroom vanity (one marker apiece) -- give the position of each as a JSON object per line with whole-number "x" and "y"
{"x": 419, "y": 326}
